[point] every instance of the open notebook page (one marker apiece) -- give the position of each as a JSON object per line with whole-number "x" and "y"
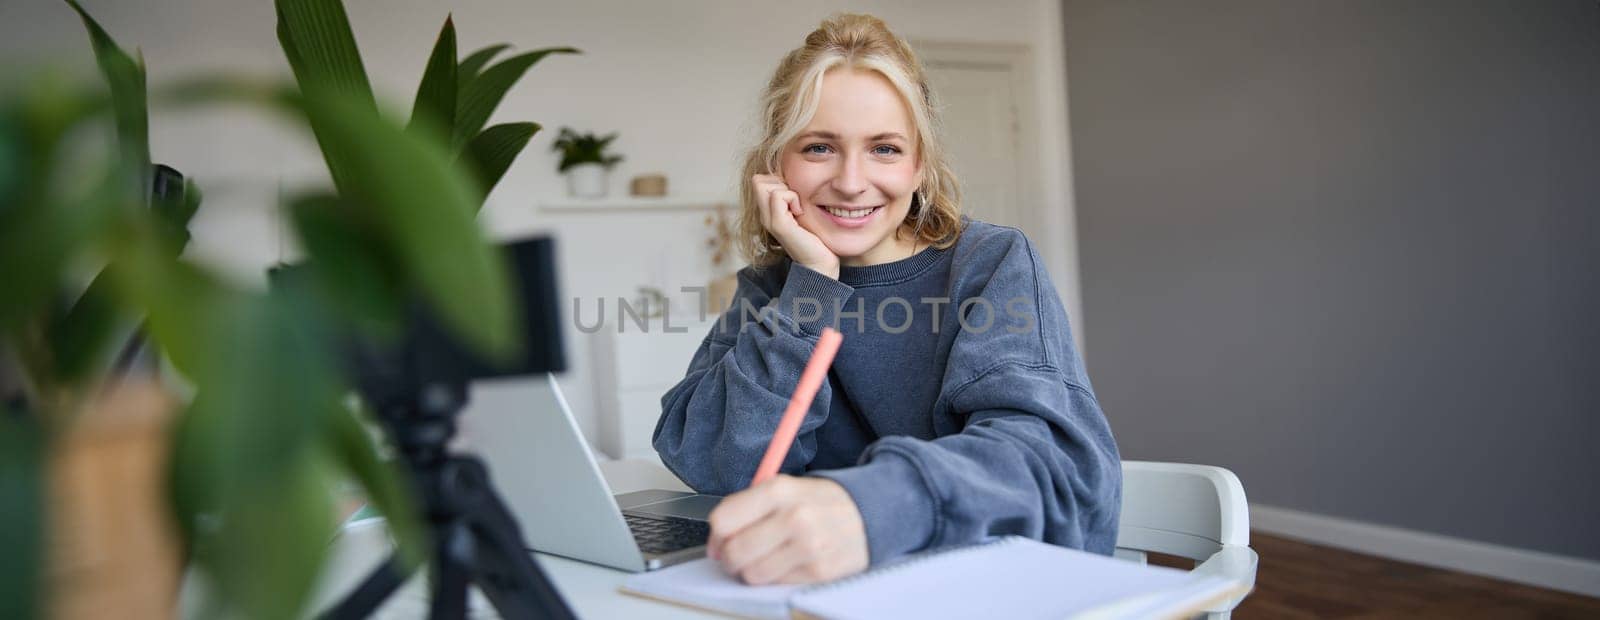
{"x": 1011, "y": 578}
{"x": 702, "y": 583}
{"x": 1008, "y": 578}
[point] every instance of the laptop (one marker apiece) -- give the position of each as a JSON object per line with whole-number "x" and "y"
{"x": 524, "y": 430}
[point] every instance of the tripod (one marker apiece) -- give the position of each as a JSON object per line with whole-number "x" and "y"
{"x": 475, "y": 540}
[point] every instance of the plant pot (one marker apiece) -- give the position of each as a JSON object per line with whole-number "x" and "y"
{"x": 586, "y": 181}
{"x": 113, "y": 548}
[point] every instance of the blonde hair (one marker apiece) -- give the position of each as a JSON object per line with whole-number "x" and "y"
{"x": 790, "y": 101}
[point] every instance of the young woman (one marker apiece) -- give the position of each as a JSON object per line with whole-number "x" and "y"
{"x": 957, "y": 407}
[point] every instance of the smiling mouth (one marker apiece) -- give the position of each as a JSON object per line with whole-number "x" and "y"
{"x": 851, "y": 214}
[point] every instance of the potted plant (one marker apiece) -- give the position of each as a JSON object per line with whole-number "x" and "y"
{"x": 585, "y": 162}
{"x": 223, "y": 458}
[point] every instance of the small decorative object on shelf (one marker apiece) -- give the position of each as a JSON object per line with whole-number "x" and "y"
{"x": 584, "y": 162}
{"x": 648, "y": 185}
{"x": 723, "y": 283}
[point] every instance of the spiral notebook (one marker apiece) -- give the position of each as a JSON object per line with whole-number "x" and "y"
{"x": 1010, "y": 577}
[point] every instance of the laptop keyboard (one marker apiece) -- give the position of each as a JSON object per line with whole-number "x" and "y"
{"x": 657, "y": 534}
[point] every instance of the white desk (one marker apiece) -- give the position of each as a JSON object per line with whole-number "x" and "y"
{"x": 590, "y": 590}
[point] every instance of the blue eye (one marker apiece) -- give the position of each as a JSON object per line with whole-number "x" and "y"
{"x": 891, "y": 150}
{"x": 809, "y": 148}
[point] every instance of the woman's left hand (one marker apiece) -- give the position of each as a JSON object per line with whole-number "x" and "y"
{"x": 789, "y": 530}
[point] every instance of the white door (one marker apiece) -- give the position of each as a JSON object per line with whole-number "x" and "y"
{"x": 979, "y": 107}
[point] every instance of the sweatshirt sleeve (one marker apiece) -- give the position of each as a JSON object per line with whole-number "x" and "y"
{"x": 1022, "y": 446}
{"x": 716, "y": 423}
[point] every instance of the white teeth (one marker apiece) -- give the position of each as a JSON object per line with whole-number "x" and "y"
{"x": 849, "y": 214}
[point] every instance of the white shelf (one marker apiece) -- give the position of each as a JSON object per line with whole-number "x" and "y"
{"x": 634, "y": 203}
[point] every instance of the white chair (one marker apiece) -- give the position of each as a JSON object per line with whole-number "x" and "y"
{"x": 1192, "y": 511}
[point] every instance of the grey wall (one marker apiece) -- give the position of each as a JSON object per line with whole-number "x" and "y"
{"x": 1351, "y": 251}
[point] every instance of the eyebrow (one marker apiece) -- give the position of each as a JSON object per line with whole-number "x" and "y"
{"x": 828, "y": 135}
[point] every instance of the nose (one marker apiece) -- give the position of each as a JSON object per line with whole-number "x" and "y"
{"x": 850, "y": 180}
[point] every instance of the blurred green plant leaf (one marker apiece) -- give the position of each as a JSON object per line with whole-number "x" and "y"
{"x": 435, "y": 105}
{"x": 407, "y": 188}
{"x": 264, "y": 548}
{"x": 350, "y": 264}
{"x": 45, "y": 219}
{"x": 490, "y": 153}
{"x": 221, "y": 88}
{"x": 193, "y": 476}
{"x": 353, "y": 447}
{"x": 273, "y": 399}
{"x": 126, "y": 77}
{"x": 316, "y": 39}
{"x": 483, "y": 93}
{"x": 251, "y": 481}
{"x": 38, "y": 237}
{"x": 316, "y": 36}
{"x": 13, "y": 163}
{"x": 183, "y": 304}
{"x": 22, "y": 445}
{"x": 473, "y": 64}
{"x": 80, "y": 336}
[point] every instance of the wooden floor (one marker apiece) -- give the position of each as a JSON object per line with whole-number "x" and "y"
{"x": 1300, "y": 580}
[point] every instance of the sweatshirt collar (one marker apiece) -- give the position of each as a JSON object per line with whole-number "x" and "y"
{"x": 891, "y": 271}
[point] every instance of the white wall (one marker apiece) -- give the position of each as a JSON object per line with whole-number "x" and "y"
{"x": 1346, "y": 249}
{"x": 678, "y": 80}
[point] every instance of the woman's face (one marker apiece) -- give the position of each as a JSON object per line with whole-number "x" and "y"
{"x": 855, "y": 168}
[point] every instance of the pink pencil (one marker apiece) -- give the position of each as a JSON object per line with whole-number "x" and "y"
{"x": 810, "y": 381}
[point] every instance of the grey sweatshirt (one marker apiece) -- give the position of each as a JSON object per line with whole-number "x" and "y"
{"x": 956, "y": 408}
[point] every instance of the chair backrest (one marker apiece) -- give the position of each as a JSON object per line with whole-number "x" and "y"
{"x": 1181, "y": 509}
